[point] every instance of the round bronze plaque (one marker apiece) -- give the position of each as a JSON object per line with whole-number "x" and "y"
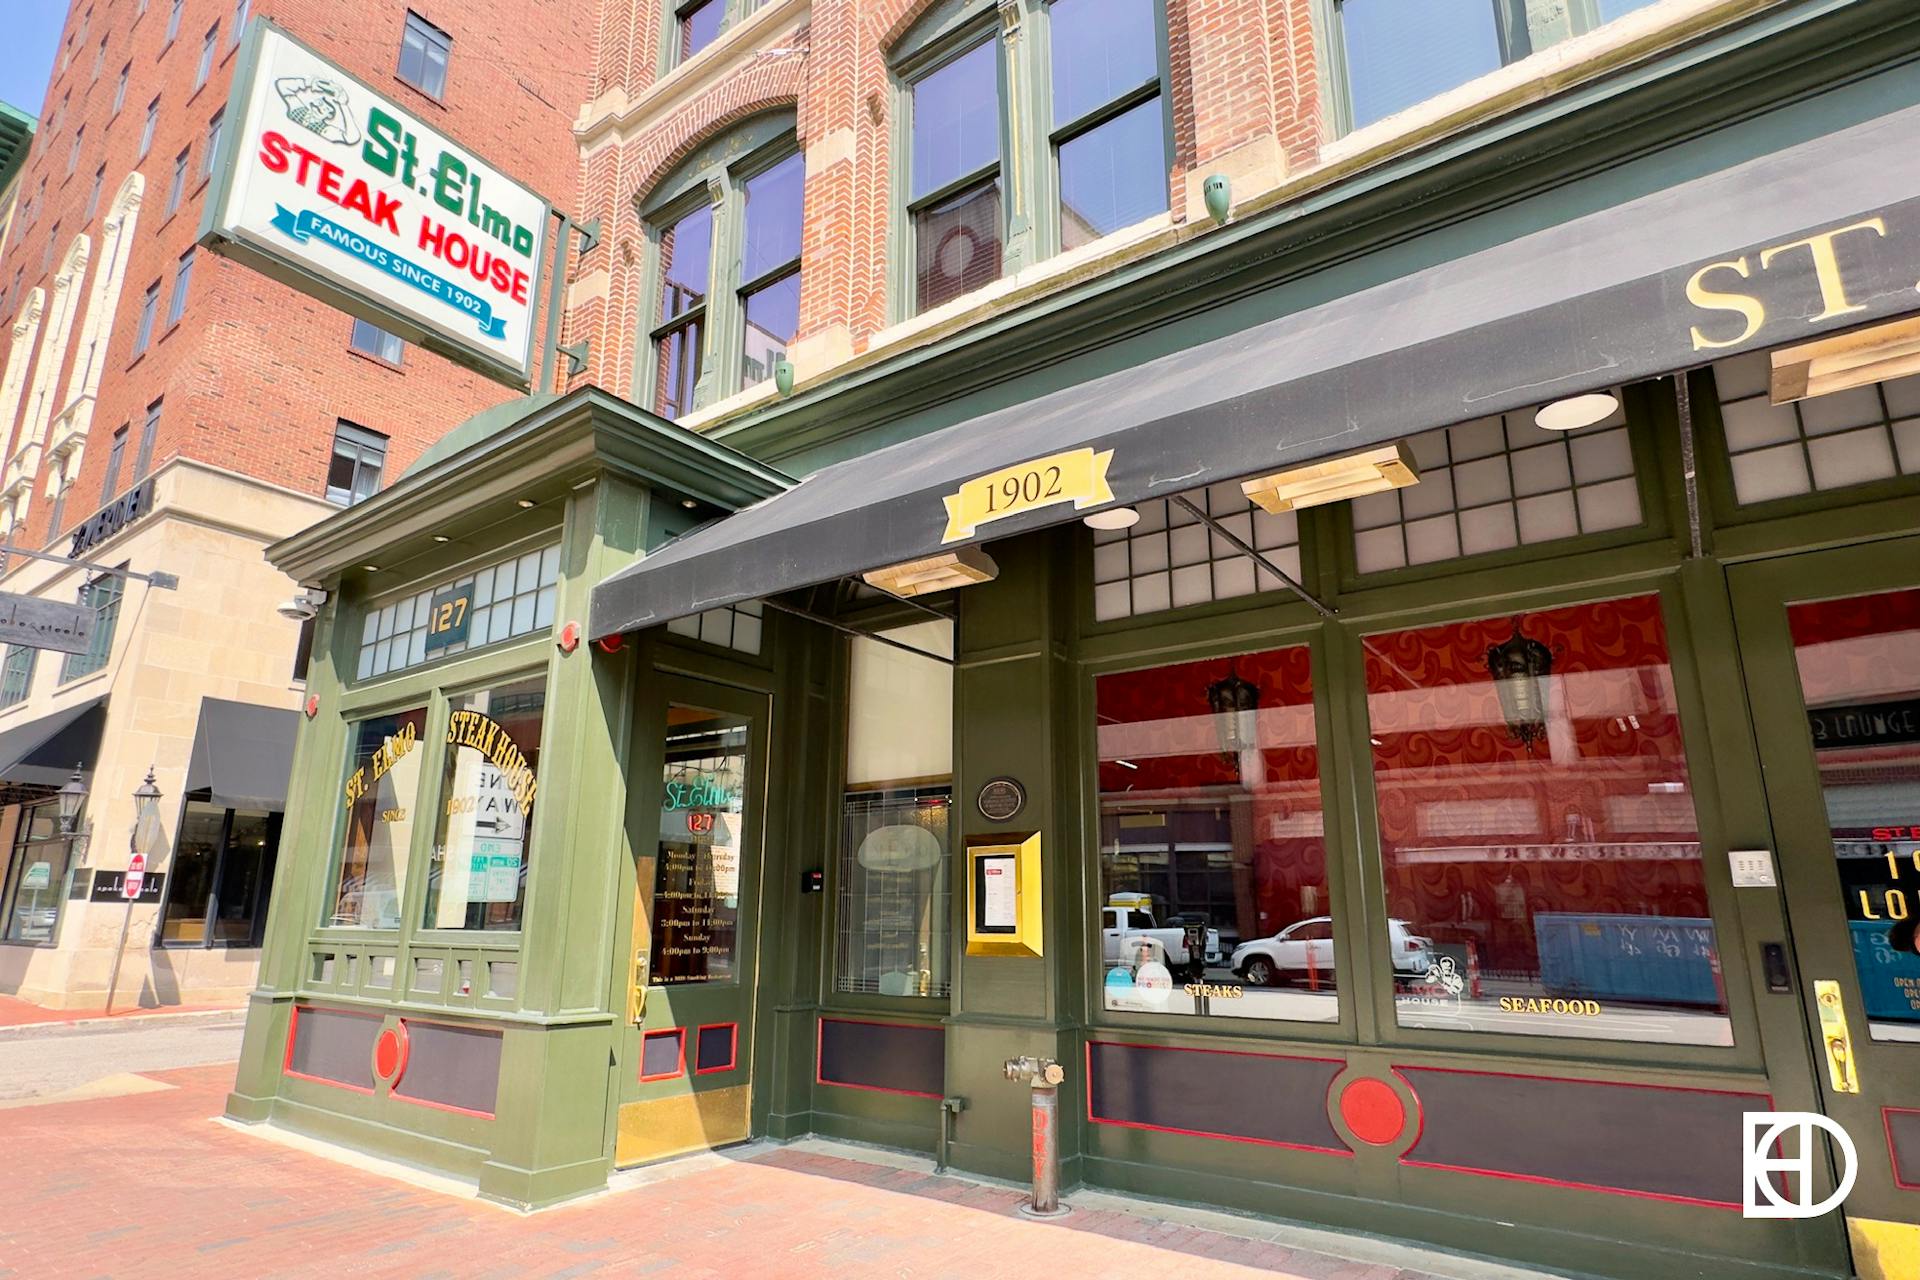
{"x": 1001, "y": 799}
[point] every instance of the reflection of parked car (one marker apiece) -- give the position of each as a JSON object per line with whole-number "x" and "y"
{"x": 1124, "y": 927}
{"x": 1306, "y": 948}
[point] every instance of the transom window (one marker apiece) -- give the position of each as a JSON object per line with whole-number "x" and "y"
{"x": 736, "y": 626}
{"x": 1826, "y": 442}
{"x": 1170, "y": 560}
{"x": 1497, "y": 483}
{"x": 1389, "y": 55}
{"x": 726, "y": 267}
{"x": 502, "y": 602}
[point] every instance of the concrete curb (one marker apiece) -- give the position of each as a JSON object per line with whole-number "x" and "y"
{"x": 124, "y": 1022}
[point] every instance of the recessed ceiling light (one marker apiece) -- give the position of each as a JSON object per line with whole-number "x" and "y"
{"x": 1112, "y": 518}
{"x": 688, "y": 503}
{"x": 525, "y": 503}
{"x": 1576, "y": 412}
{"x": 371, "y": 568}
{"x": 441, "y": 537}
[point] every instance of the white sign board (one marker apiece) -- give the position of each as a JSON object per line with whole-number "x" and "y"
{"x": 340, "y": 193}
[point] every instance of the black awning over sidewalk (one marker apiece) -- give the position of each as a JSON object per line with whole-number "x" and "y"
{"x": 1624, "y": 293}
{"x": 242, "y": 755}
{"x": 44, "y": 753}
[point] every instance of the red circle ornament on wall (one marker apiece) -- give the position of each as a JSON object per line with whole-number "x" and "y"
{"x": 569, "y": 638}
{"x": 313, "y": 705}
{"x": 1373, "y": 1111}
{"x": 390, "y": 1053}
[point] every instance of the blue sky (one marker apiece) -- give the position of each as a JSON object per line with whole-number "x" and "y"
{"x": 26, "y": 55}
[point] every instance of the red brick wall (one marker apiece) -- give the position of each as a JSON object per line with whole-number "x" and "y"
{"x": 255, "y": 376}
{"x": 1240, "y": 72}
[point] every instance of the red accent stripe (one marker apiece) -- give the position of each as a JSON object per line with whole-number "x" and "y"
{"x": 1204, "y": 1133}
{"x": 819, "y": 1065}
{"x": 1893, "y": 1158}
{"x": 733, "y": 1049}
{"x": 679, "y": 1069}
{"x": 1571, "y": 1186}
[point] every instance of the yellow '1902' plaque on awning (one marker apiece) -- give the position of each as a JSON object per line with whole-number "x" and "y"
{"x": 1078, "y": 476}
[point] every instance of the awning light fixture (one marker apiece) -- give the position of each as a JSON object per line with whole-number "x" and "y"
{"x": 1112, "y": 518}
{"x": 1354, "y": 476}
{"x": 1576, "y": 412}
{"x": 1858, "y": 359}
{"x": 943, "y": 572}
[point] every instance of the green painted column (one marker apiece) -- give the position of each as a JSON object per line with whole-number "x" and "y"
{"x": 300, "y": 873}
{"x": 550, "y": 1138}
{"x": 1016, "y": 707}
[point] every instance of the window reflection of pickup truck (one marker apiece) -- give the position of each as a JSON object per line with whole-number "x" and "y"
{"x": 1121, "y": 925}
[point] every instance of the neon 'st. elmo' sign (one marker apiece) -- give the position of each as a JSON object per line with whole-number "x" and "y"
{"x": 335, "y": 190}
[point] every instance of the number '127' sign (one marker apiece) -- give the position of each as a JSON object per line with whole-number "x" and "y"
{"x": 1078, "y": 476}
{"x": 449, "y": 617}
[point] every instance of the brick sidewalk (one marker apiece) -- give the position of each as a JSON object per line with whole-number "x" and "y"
{"x": 151, "y": 1186}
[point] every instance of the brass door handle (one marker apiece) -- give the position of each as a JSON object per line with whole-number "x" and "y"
{"x": 1835, "y": 1037}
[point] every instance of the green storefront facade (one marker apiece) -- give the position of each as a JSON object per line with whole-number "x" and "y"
{"x": 1515, "y": 846}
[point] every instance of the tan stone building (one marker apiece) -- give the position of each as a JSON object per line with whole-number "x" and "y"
{"x": 198, "y": 684}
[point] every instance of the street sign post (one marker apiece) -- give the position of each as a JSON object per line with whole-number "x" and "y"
{"x": 45, "y": 624}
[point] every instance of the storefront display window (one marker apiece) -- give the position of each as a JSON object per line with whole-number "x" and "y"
{"x": 1213, "y": 856}
{"x": 696, "y": 893}
{"x": 1537, "y": 829}
{"x": 36, "y": 887}
{"x": 1859, "y": 662}
{"x": 221, "y": 874}
{"x": 382, "y": 793}
{"x": 894, "y": 837}
{"x": 484, "y": 821}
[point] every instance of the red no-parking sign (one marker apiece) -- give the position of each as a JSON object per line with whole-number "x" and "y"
{"x": 136, "y": 871}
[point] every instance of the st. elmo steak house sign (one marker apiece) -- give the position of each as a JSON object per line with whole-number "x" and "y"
{"x": 338, "y": 192}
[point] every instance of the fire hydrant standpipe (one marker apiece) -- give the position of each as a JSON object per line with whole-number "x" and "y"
{"x": 1043, "y": 1075}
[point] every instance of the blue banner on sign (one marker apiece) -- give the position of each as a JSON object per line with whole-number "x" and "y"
{"x": 306, "y": 225}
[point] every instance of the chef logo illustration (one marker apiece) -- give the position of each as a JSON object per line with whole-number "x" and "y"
{"x": 320, "y": 105}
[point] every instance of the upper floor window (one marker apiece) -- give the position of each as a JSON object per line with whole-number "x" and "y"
{"x": 149, "y": 311}
{"x": 182, "y": 277}
{"x": 149, "y": 433}
{"x": 73, "y": 152}
{"x": 102, "y": 595}
{"x": 93, "y": 195}
{"x": 359, "y": 456}
{"x": 240, "y": 11}
{"x": 698, "y": 25}
{"x": 1110, "y": 134}
{"x": 177, "y": 188}
{"x": 372, "y": 340}
{"x": 207, "y": 48}
{"x": 211, "y": 152}
{"x": 1393, "y": 54}
{"x": 1096, "y": 69}
{"x": 173, "y": 21}
{"x": 120, "y": 89}
{"x": 146, "y": 130}
{"x": 720, "y": 321}
{"x": 424, "y": 49}
{"x": 16, "y": 676}
{"x": 116, "y": 456}
{"x": 954, "y": 197}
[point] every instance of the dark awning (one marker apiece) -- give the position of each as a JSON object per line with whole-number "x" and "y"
{"x": 242, "y": 755}
{"x": 45, "y": 752}
{"x": 1585, "y": 304}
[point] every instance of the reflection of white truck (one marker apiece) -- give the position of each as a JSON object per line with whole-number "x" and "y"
{"x": 1126, "y": 928}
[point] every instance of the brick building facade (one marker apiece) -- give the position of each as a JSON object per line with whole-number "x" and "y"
{"x": 209, "y": 410}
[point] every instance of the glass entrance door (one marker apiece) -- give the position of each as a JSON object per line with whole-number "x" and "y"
{"x": 1831, "y": 646}
{"x": 695, "y": 926}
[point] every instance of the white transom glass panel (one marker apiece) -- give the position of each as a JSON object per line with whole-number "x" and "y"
{"x": 1170, "y": 560}
{"x": 734, "y": 627}
{"x": 1497, "y": 483}
{"x": 1834, "y": 441}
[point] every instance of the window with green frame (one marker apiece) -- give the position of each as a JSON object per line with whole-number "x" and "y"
{"x": 1099, "y": 66}
{"x": 724, "y": 233}
{"x": 1388, "y": 55}
{"x": 692, "y": 25}
{"x": 102, "y": 595}
{"x": 16, "y": 676}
